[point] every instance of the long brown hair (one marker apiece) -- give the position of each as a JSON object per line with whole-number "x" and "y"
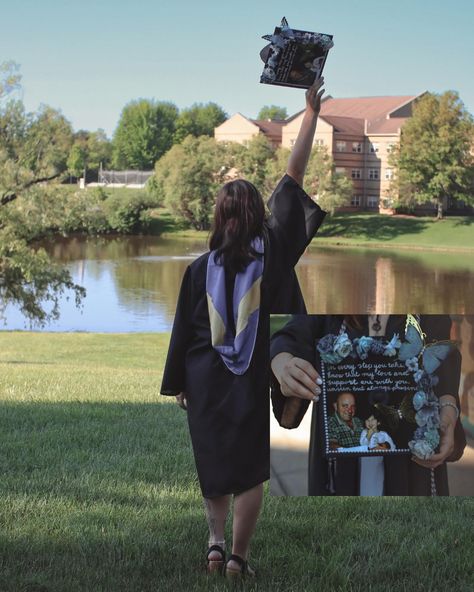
{"x": 238, "y": 219}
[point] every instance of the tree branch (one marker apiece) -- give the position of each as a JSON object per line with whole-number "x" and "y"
{"x": 8, "y": 197}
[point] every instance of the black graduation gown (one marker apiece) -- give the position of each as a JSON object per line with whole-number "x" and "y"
{"x": 402, "y": 475}
{"x": 228, "y": 415}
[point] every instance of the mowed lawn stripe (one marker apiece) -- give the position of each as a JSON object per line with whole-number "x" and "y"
{"x": 99, "y": 492}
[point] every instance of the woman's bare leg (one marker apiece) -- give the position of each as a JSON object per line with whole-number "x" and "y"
{"x": 217, "y": 509}
{"x": 246, "y": 511}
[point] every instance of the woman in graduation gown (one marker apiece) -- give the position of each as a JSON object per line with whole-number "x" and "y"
{"x": 295, "y": 383}
{"x": 218, "y": 358}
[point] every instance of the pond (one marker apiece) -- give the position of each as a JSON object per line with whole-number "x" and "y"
{"x": 132, "y": 283}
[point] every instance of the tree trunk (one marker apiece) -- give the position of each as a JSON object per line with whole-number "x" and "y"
{"x": 439, "y": 215}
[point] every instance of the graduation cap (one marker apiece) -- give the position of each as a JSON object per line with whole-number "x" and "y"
{"x": 293, "y": 57}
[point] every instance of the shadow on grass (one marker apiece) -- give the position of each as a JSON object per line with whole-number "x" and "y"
{"x": 103, "y": 497}
{"x": 108, "y": 452}
{"x": 371, "y": 226}
{"x": 164, "y": 222}
{"x": 23, "y": 362}
{"x": 464, "y": 221}
{"x": 94, "y": 496}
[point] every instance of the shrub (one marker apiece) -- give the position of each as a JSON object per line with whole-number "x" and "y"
{"x": 127, "y": 213}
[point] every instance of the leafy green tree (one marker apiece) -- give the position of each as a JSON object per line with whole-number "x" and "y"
{"x": 331, "y": 190}
{"x": 434, "y": 159}
{"x": 251, "y": 160}
{"x": 275, "y": 168}
{"x": 33, "y": 151}
{"x": 10, "y": 78}
{"x": 100, "y": 150}
{"x": 272, "y": 112}
{"x": 188, "y": 176}
{"x": 77, "y": 159}
{"x": 88, "y": 151}
{"x": 199, "y": 120}
{"x": 144, "y": 133}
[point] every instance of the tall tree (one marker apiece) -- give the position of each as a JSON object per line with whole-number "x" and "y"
{"x": 144, "y": 133}
{"x": 272, "y": 112}
{"x": 88, "y": 151}
{"x": 199, "y": 120}
{"x": 275, "y": 169}
{"x": 434, "y": 160}
{"x": 251, "y": 160}
{"x": 331, "y": 190}
{"x": 187, "y": 178}
{"x": 10, "y": 78}
{"x": 33, "y": 150}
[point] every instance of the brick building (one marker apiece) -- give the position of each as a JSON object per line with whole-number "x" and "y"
{"x": 358, "y": 132}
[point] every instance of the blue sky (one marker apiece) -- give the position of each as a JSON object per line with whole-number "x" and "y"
{"x": 90, "y": 58}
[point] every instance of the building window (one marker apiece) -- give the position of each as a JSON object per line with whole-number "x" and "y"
{"x": 356, "y": 146}
{"x": 356, "y": 173}
{"x": 340, "y": 146}
{"x": 373, "y": 201}
{"x": 374, "y": 147}
{"x": 340, "y": 171}
{"x": 319, "y": 142}
{"x": 390, "y": 148}
{"x": 388, "y": 174}
{"x": 355, "y": 200}
{"x": 374, "y": 174}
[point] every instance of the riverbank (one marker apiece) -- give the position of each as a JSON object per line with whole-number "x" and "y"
{"x": 99, "y": 492}
{"x": 409, "y": 232}
{"x": 378, "y": 231}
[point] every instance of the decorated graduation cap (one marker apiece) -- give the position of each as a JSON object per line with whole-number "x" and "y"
{"x": 294, "y": 58}
{"x": 400, "y": 375}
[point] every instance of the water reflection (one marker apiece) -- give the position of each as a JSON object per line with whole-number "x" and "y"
{"x": 133, "y": 282}
{"x": 337, "y": 280}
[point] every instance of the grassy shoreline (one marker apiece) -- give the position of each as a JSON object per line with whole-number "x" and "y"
{"x": 99, "y": 493}
{"x": 344, "y": 244}
{"x": 375, "y": 231}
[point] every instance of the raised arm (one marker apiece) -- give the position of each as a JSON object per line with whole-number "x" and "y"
{"x": 304, "y": 142}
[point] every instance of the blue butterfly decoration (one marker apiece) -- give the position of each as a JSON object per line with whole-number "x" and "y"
{"x": 281, "y": 38}
{"x": 414, "y": 345}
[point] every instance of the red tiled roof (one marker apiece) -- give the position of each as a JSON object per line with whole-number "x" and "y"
{"x": 364, "y": 107}
{"x": 348, "y": 125}
{"x": 270, "y": 128}
{"x": 385, "y": 126}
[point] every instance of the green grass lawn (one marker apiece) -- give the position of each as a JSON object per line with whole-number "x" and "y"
{"x": 165, "y": 224}
{"x": 378, "y": 230}
{"x": 366, "y": 230}
{"x": 98, "y": 491}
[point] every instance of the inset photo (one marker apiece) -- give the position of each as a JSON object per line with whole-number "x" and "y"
{"x": 392, "y": 405}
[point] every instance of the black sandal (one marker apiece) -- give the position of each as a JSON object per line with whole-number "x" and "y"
{"x": 243, "y": 570}
{"x": 215, "y": 565}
